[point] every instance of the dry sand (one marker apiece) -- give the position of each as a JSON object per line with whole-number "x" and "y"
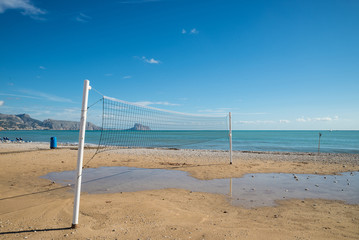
{"x": 35, "y": 208}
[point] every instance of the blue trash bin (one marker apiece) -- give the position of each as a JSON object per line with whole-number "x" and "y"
{"x": 53, "y": 143}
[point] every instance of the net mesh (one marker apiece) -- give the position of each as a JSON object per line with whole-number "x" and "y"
{"x": 126, "y": 124}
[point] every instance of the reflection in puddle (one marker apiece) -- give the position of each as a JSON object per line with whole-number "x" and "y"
{"x": 252, "y": 190}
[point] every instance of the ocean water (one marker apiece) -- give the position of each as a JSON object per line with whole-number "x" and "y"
{"x": 243, "y": 140}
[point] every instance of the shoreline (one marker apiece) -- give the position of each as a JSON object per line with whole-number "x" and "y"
{"x": 243, "y": 140}
{"x": 44, "y": 145}
{"x": 29, "y": 202}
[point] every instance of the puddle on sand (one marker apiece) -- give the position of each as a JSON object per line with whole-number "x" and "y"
{"x": 252, "y": 190}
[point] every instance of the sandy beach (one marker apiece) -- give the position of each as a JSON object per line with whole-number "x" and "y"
{"x": 35, "y": 208}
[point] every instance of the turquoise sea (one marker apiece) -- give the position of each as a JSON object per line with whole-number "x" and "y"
{"x": 243, "y": 140}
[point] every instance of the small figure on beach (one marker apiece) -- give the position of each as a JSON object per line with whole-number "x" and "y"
{"x": 6, "y": 140}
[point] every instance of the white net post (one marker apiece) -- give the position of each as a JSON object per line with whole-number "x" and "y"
{"x": 230, "y": 137}
{"x": 80, "y": 154}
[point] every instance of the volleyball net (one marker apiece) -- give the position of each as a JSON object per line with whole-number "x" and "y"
{"x": 126, "y": 124}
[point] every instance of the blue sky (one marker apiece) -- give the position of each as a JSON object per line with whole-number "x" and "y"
{"x": 273, "y": 64}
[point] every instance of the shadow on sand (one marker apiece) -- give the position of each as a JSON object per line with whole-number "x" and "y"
{"x": 36, "y": 230}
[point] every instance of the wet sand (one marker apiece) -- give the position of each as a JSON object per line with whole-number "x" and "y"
{"x": 36, "y": 208}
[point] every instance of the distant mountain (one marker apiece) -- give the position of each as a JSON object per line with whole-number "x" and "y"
{"x": 17, "y": 122}
{"x": 139, "y": 127}
{"x": 67, "y": 125}
{"x": 25, "y": 122}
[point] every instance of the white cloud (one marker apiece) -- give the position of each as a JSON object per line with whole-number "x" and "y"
{"x": 194, "y": 31}
{"x": 225, "y": 111}
{"x": 220, "y": 111}
{"x": 244, "y": 122}
{"x": 151, "y": 61}
{"x": 18, "y": 96}
{"x": 42, "y": 67}
{"x": 127, "y": 77}
{"x": 83, "y": 18}
{"x": 148, "y": 103}
{"x": 265, "y": 122}
{"x": 323, "y": 119}
{"x": 46, "y": 96}
{"x": 317, "y": 119}
{"x": 1, "y": 103}
{"x": 284, "y": 121}
{"x": 108, "y": 74}
{"x": 254, "y": 122}
{"x": 28, "y": 9}
{"x": 302, "y": 119}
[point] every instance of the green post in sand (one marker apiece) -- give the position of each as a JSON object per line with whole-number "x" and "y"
{"x": 320, "y": 134}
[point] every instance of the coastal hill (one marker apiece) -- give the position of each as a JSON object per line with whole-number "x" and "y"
{"x": 139, "y": 127}
{"x": 25, "y": 122}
